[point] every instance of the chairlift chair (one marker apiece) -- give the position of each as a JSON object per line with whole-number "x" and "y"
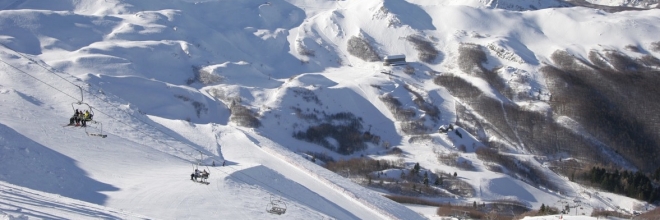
{"x": 89, "y": 108}
{"x": 98, "y": 125}
{"x": 203, "y": 178}
{"x": 276, "y": 206}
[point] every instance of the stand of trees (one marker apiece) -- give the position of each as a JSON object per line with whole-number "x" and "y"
{"x": 343, "y": 127}
{"x": 611, "y": 95}
{"x": 632, "y": 184}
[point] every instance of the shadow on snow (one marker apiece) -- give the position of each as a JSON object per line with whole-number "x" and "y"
{"x": 29, "y": 164}
{"x": 289, "y": 190}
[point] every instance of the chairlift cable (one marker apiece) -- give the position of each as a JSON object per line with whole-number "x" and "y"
{"x": 98, "y": 110}
{"x": 99, "y": 98}
{"x": 237, "y": 171}
{"x": 38, "y": 79}
{"x": 39, "y": 64}
{"x": 82, "y": 98}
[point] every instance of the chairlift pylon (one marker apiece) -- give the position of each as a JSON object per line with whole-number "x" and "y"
{"x": 276, "y": 206}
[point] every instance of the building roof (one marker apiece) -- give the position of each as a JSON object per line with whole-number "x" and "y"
{"x": 392, "y": 57}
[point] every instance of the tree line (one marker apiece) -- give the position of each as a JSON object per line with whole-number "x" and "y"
{"x": 632, "y": 184}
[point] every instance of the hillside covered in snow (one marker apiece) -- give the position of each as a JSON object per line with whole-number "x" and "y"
{"x": 502, "y": 107}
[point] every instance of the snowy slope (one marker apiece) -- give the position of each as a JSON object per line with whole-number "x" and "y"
{"x": 162, "y": 76}
{"x": 24, "y": 203}
{"x": 122, "y": 171}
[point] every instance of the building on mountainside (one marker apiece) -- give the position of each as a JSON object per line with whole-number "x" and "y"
{"x": 394, "y": 60}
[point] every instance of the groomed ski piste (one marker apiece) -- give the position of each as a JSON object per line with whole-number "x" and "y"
{"x": 131, "y": 61}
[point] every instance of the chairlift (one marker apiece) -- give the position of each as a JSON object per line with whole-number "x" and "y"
{"x": 98, "y": 125}
{"x": 203, "y": 177}
{"x": 276, "y": 206}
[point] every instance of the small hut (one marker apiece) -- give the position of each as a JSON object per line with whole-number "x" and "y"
{"x": 394, "y": 60}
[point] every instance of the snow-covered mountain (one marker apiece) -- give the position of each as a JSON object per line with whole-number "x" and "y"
{"x": 265, "y": 93}
{"x": 626, "y": 3}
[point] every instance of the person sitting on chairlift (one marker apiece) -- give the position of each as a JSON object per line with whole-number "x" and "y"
{"x": 89, "y": 115}
{"x": 79, "y": 117}
{"x": 86, "y": 117}
{"x": 74, "y": 118}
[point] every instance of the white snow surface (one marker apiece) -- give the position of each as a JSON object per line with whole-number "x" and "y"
{"x": 134, "y": 61}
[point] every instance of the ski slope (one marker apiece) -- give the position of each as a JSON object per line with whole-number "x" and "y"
{"x": 135, "y": 62}
{"x": 123, "y": 171}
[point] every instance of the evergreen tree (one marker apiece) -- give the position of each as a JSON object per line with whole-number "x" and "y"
{"x": 542, "y": 210}
{"x": 592, "y": 175}
{"x": 455, "y": 174}
{"x": 416, "y": 168}
{"x": 604, "y": 182}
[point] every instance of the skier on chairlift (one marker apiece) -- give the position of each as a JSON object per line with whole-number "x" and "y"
{"x": 194, "y": 175}
{"x": 86, "y": 117}
{"x": 75, "y": 118}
